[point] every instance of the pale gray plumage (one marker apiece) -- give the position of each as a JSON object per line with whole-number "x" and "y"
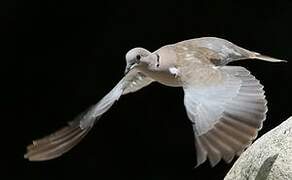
{"x": 226, "y": 104}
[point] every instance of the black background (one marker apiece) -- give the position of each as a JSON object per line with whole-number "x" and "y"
{"x": 64, "y": 56}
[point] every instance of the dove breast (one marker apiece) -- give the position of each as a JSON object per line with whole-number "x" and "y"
{"x": 163, "y": 67}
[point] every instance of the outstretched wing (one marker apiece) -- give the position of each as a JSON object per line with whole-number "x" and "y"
{"x": 227, "y": 106}
{"x": 63, "y": 140}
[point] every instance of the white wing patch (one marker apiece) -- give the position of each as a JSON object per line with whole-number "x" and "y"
{"x": 173, "y": 70}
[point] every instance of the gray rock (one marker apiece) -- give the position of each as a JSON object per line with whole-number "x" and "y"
{"x": 269, "y": 157}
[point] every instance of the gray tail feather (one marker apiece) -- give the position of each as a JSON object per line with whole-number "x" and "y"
{"x": 265, "y": 58}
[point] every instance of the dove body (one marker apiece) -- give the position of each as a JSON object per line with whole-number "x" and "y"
{"x": 226, "y": 104}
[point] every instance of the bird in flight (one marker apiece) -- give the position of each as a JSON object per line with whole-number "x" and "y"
{"x": 226, "y": 104}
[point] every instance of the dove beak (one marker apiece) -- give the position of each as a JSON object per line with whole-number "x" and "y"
{"x": 130, "y": 67}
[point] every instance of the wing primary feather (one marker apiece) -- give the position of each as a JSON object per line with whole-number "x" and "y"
{"x": 58, "y": 143}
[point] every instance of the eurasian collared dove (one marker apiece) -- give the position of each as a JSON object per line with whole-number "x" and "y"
{"x": 225, "y": 104}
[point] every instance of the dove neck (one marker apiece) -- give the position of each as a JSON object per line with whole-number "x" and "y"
{"x": 163, "y": 77}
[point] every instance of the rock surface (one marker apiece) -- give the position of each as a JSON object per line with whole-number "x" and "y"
{"x": 269, "y": 157}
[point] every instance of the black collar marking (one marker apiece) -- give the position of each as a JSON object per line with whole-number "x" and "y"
{"x": 158, "y": 58}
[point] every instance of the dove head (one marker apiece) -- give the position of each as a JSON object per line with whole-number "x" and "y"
{"x": 136, "y": 57}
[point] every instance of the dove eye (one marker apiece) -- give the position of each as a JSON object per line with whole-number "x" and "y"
{"x": 138, "y": 57}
